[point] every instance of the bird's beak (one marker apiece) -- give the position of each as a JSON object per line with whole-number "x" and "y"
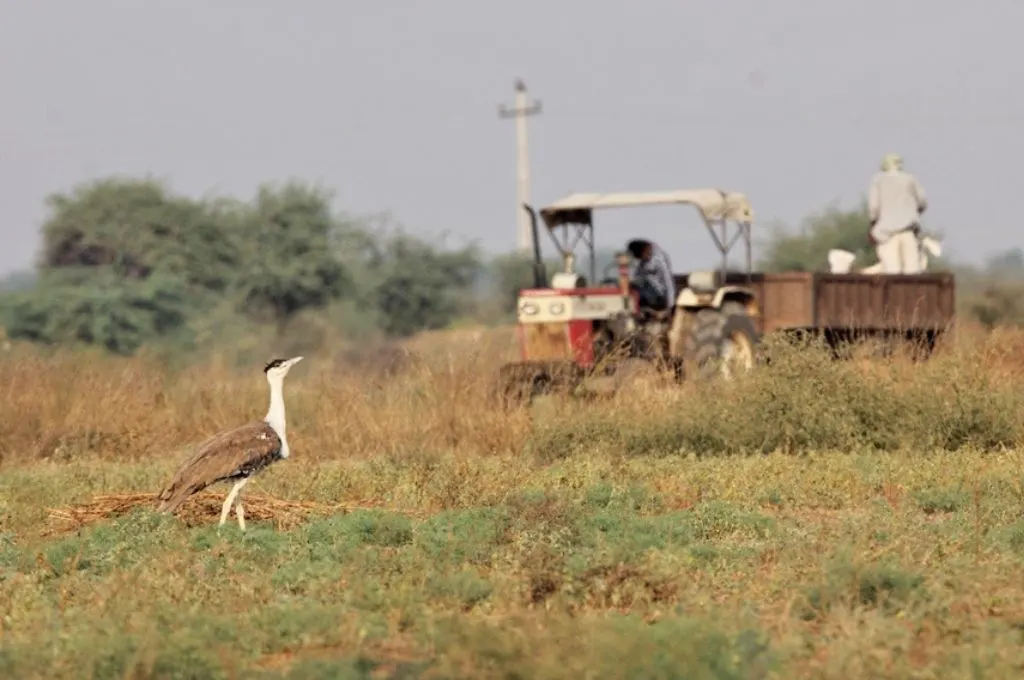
{"x": 293, "y": 361}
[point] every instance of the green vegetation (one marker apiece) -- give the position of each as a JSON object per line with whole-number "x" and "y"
{"x": 126, "y": 263}
{"x": 647, "y": 568}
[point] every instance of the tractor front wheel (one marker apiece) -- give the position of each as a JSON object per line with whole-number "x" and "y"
{"x": 721, "y": 342}
{"x": 519, "y": 383}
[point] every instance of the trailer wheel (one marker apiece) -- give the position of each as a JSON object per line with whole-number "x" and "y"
{"x": 722, "y": 342}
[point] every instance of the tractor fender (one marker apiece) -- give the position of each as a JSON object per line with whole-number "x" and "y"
{"x": 691, "y": 299}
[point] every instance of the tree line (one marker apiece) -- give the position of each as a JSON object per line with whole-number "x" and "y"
{"x": 127, "y": 263}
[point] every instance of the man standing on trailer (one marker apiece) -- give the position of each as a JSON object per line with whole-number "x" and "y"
{"x": 896, "y": 201}
{"x": 652, "y": 279}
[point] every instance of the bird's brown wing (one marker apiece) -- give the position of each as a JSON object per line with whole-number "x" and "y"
{"x": 222, "y": 456}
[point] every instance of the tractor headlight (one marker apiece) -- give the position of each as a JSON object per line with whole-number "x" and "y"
{"x": 529, "y": 308}
{"x": 556, "y": 307}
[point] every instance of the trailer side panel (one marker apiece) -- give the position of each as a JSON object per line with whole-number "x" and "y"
{"x": 884, "y": 302}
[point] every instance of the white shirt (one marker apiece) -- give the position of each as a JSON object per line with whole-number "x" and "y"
{"x": 895, "y": 202}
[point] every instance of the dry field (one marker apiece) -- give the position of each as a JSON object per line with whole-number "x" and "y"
{"x": 862, "y": 519}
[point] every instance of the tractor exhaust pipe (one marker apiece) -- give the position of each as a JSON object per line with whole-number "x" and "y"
{"x": 540, "y": 274}
{"x": 622, "y": 259}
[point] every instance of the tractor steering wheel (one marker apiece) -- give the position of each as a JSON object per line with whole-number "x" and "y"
{"x": 610, "y": 279}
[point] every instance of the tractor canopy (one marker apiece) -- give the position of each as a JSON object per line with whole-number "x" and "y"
{"x": 716, "y": 207}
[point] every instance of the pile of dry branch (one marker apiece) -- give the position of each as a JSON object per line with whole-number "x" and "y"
{"x": 202, "y": 508}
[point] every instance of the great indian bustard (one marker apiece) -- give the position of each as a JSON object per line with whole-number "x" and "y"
{"x": 235, "y": 455}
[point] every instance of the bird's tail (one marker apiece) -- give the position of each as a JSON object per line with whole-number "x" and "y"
{"x": 171, "y": 498}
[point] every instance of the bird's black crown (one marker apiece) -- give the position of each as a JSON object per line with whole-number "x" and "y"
{"x": 273, "y": 363}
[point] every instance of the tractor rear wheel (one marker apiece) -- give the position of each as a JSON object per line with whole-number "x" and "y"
{"x": 721, "y": 342}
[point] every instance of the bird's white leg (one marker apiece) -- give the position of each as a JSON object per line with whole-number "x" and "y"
{"x": 226, "y": 508}
{"x": 241, "y": 515}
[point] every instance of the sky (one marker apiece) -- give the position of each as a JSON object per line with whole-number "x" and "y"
{"x": 393, "y": 106}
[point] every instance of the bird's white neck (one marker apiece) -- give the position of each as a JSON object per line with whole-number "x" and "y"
{"x": 275, "y": 414}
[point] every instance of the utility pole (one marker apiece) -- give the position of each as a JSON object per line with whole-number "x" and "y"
{"x": 522, "y": 109}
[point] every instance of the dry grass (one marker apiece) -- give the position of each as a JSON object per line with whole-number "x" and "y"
{"x": 862, "y": 519}
{"x": 65, "y": 404}
{"x": 202, "y": 508}
{"x": 59, "y": 406}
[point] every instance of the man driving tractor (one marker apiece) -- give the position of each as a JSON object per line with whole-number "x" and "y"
{"x": 652, "y": 279}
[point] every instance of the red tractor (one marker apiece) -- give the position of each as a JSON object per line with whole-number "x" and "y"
{"x": 570, "y": 328}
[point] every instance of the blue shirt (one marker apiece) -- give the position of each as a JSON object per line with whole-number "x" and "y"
{"x": 658, "y": 272}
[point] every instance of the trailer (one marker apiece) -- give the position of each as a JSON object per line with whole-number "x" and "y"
{"x": 844, "y": 308}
